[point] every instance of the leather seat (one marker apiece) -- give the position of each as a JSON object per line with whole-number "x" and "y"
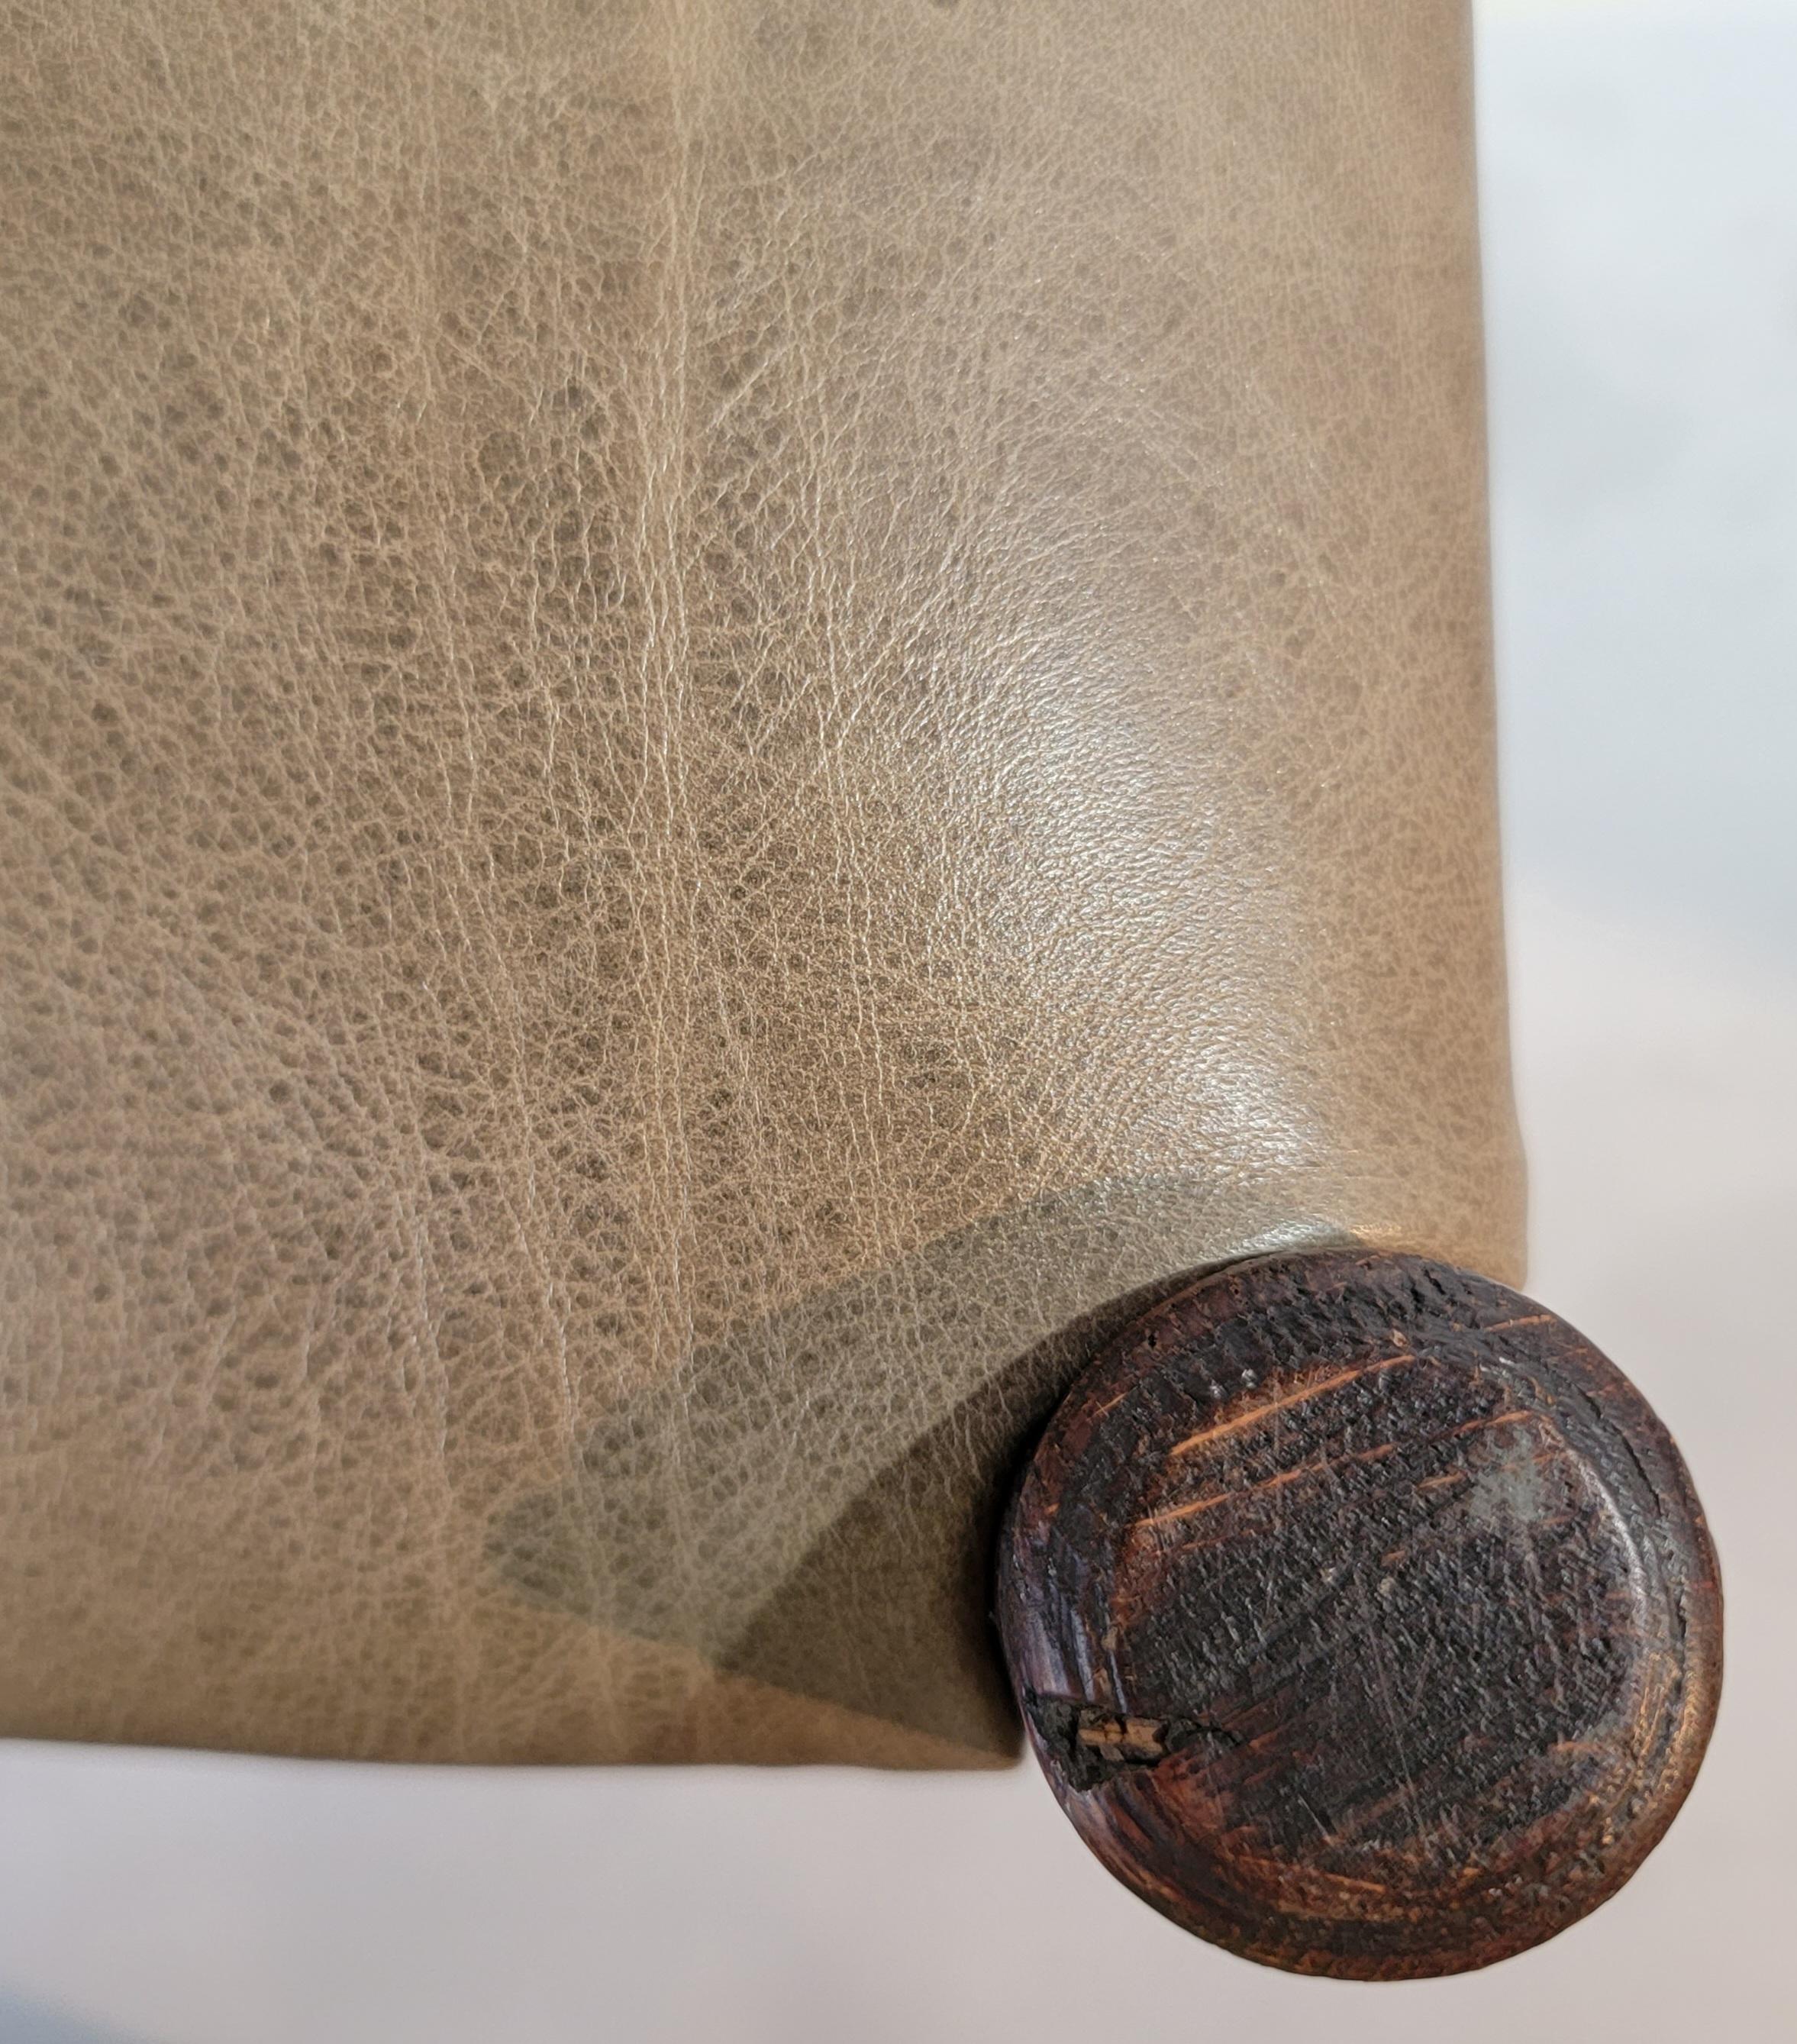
{"x": 719, "y": 719}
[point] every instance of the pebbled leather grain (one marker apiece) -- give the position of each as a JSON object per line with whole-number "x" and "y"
{"x": 715, "y": 716}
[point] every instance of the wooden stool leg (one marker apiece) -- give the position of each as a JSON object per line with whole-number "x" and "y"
{"x": 1362, "y": 1616}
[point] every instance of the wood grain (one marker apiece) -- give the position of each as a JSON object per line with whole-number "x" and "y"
{"x": 1362, "y": 1616}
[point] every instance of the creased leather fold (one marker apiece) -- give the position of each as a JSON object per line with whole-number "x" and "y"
{"x": 715, "y": 716}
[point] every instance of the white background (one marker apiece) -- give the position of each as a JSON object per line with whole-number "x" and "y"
{"x": 1641, "y": 206}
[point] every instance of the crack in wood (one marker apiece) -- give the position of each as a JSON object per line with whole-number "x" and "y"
{"x": 1092, "y": 1745}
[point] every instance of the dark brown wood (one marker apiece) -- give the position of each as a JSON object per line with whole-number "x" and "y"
{"x": 1362, "y": 1616}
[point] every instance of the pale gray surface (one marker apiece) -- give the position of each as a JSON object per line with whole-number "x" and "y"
{"x": 1640, "y": 186}
{"x": 1642, "y": 202}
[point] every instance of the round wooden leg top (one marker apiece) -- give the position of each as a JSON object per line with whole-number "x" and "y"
{"x": 1362, "y": 1616}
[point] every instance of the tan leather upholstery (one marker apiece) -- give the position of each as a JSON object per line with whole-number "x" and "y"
{"x": 717, "y": 712}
